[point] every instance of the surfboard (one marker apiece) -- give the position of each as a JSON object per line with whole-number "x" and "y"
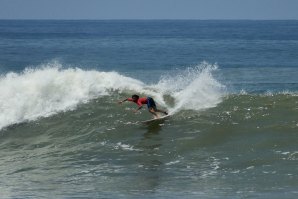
{"x": 160, "y": 119}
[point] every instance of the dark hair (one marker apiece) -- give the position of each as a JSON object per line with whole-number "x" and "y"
{"x": 135, "y": 96}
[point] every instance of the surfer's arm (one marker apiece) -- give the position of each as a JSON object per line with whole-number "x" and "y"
{"x": 137, "y": 109}
{"x": 120, "y": 102}
{"x": 127, "y": 99}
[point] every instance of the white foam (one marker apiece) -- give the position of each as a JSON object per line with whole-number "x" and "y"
{"x": 43, "y": 92}
{"x": 50, "y": 89}
{"x": 125, "y": 147}
{"x": 194, "y": 88}
{"x": 172, "y": 163}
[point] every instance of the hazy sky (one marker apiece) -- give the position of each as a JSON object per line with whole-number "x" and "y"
{"x": 148, "y": 9}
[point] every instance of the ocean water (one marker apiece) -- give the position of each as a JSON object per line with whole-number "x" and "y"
{"x": 231, "y": 88}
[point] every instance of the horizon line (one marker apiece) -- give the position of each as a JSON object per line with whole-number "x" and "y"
{"x": 131, "y": 19}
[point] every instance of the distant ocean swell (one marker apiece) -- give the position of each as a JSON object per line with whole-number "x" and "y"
{"x": 50, "y": 89}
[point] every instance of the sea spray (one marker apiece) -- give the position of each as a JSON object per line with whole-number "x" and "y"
{"x": 194, "y": 88}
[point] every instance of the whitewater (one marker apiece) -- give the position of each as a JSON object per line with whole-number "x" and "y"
{"x": 50, "y": 89}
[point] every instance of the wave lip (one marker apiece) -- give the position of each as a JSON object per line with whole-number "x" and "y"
{"x": 43, "y": 92}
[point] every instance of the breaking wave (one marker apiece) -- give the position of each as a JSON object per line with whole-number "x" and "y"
{"x": 50, "y": 89}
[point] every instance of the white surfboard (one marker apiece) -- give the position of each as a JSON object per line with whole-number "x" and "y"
{"x": 156, "y": 119}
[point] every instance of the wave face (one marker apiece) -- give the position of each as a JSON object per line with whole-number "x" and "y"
{"x": 42, "y": 92}
{"x": 244, "y": 141}
{"x": 64, "y": 126}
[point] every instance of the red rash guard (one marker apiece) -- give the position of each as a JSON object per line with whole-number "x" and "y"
{"x": 140, "y": 101}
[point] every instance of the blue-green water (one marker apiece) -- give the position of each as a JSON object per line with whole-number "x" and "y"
{"x": 231, "y": 87}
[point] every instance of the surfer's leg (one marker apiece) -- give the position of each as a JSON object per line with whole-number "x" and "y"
{"x": 151, "y": 110}
{"x": 151, "y": 105}
{"x": 161, "y": 111}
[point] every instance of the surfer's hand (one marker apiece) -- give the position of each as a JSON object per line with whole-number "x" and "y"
{"x": 135, "y": 111}
{"x": 120, "y": 102}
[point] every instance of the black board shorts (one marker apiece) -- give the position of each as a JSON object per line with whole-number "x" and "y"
{"x": 151, "y": 103}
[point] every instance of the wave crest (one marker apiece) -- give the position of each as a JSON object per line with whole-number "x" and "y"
{"x": 49, "y": 89}
{"x": 45, "y": 91}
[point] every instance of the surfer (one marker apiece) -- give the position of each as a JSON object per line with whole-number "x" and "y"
{"x": 145, "y": 100}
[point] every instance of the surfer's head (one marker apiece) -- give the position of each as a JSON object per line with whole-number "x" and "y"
{"x": 135, "y": 97}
